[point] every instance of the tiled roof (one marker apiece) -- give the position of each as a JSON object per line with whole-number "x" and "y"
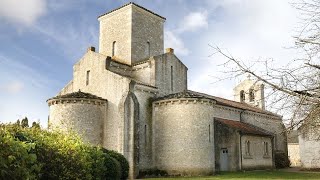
{"x": 219, "y": 101}
{"x": 78, "y": 94}
{"x": 135, "y": 5}
{"x": 244, "y": 128}
{"x": 184, "y": 94}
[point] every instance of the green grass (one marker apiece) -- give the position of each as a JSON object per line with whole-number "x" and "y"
{"x": 261, "y": 175}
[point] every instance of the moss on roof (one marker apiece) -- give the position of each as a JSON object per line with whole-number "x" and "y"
{"x": 78, "y": 94}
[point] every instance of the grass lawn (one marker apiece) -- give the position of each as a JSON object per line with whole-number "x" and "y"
{"x": 261, "y": 175}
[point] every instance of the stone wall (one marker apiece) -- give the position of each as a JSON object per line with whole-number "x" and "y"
{"x": 169, "y": 66}
{"x": 309, "y": 150}
{"x": 108, "y": 85}
{"x": 183, "y": 136}
{"x": 138, "y": 34}
{"x": 144, "y": 96}
{"x": 146, "y": 28}
{"x": 256, "y": 159}
{"x": 116, "y": 27}
{"x": 83, "y": 116}
{"x": 271, "y": 124}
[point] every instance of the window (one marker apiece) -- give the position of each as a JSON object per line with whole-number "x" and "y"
{"x": 148, "y": 49}
{"x": 171, "y": 78}
{"x": 88, "y": 78}
{"x": 145, "y": 136}
{"x": 114, "y": 46}
{"x": 209, "y": 133}
{"x": 266, "y": 149}
{"x": 251, "y": 95}
{"x": 247, "y": 148}
{"x": 242, "y": 96}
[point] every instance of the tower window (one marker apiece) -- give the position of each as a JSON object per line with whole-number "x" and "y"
{"x": 242, "y": 96}
{"x": 251, "y": 95}
{"x": 209, "y": 133}
{"x": 148, "y": 49}
{"x": 114, "y": 46}
{"x": 88, "y": 78}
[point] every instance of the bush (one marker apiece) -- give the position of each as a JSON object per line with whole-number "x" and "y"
{"x": 17, "y": 161}
{"x": 113, "y": 168}
{"x": 281, "y": 160}
{"x": 122, "y": 160}
{"x": 32, "y": 153}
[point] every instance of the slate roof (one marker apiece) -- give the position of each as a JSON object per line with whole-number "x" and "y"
{"x": 219, "y": 101}
{"x": 78, "y": 94}
{"x": 135, "y": 5}
{"x": 244, "y": 128}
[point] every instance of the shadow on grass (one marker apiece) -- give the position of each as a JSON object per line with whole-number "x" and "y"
{"x": 261, "y": 175}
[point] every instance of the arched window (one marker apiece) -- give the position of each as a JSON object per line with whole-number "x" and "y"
{"x": 242, "y": 96}
{"x": 251, "y": 95}
{"x": 148, "y": 49}
{"x": 114, "y": 48}
{"x": 266, "y": 148}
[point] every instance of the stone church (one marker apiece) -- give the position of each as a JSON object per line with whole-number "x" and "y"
{"x": 133, "y": 97}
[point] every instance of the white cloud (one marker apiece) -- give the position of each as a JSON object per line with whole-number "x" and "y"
{"x": 24, "y": 12}
{"x": 174, "y": 41}
{"x": 12, "y": 87}
{"x": 194, "y": 21}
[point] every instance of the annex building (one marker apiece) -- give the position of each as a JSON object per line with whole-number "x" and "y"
{"x": 132, "y": 97}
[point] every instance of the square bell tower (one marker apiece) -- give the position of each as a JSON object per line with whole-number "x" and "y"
{"x": 131, "y": 34}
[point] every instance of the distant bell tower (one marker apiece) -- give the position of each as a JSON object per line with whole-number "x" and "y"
{"x": 131, "y": 34}
{"x": 251, "y": 92}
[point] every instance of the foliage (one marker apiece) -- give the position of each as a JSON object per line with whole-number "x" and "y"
{"x": 17, "y": 159}
{"x": 32, "y": 153}
{"x": 281, "y": 160}
{"x": 24, "y": 122}
{"x": 113, "y": 167}
{"x": 122, "y": 160}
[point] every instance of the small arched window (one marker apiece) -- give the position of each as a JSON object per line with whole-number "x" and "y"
{"x": 242, "y": 96}
{"x": 114, "y": 48}
{"x": 251, "y": 95}
{"x": 148, "y": 49}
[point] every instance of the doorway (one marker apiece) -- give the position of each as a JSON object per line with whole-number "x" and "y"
{"x": 224, "y": 159}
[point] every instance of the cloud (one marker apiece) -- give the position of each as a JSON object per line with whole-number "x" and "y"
{"x": 13, "y": 87}
{"x": 22, "y": 12}
{"x": 174, "y": 41}
{"x": 194, "y": 21}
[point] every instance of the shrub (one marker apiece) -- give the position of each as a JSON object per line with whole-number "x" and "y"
{"x": 122, "y": 160}
{"x": 17, "y": 161}
{"x": 281, "y": 160}
{"x": 113, "y": 168}
{"x": 32, "y": 153}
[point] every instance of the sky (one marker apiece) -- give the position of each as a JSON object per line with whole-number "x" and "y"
{"x": 42, "y": 39}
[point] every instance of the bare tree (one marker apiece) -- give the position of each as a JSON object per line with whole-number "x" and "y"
{"x": 295, "y": 88}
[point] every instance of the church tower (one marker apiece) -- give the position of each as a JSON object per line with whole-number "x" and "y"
{"x": 131, "y": 34}
{"x": 251, "y": 92}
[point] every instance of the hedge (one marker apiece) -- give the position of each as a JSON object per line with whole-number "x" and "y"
{"x": 32, "y": 153}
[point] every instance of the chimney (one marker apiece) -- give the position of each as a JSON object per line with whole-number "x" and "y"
{"x": 170, "y": 50}
{"x": 91, "y": 48}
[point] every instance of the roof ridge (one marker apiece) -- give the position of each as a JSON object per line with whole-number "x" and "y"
{"x": 135, "y": 5}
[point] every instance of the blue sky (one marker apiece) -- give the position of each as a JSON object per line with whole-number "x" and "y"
{"x": 42, "y": 39}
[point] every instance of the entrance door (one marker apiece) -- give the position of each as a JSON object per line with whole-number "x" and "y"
{"x": 224, "y": 159}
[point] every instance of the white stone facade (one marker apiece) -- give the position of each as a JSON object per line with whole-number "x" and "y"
{"x": 148, "y": 113}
